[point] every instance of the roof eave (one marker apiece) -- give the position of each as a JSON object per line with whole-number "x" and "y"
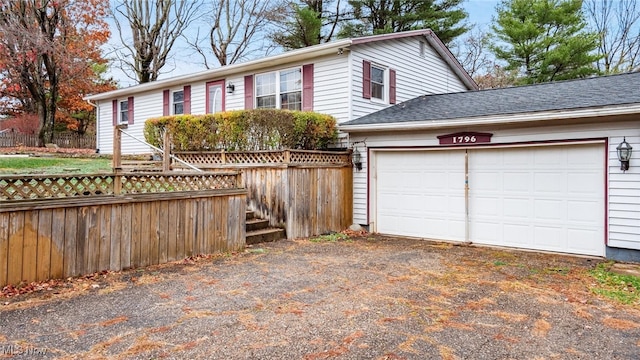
{"x": 225, "y": 71}
{"x": 545, "y": 116}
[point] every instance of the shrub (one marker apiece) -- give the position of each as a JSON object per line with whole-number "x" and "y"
{"x": 244, "y": 130}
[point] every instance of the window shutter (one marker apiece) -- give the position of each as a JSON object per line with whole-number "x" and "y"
{"x": 366, "y": 79}
{"x": 186, "y": 91}
{"x": 392, "y": 86}
{"x": 165, "y": 103}
{"x": 130, "y": 109}
{"x": 307, "y": 87}
{"x": 114, "y": 108}
{"x": 248, "y": 92}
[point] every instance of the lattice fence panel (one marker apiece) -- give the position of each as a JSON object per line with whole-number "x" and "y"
{"x": 154, "y": 183}
{"x": 32, "y": 187}
{"x": 304, "y": 157}
{"x": 202, "y": 158}
{"x": 261, "y": 157}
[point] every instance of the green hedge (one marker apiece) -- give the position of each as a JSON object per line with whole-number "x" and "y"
{"x": 244, "y": 130}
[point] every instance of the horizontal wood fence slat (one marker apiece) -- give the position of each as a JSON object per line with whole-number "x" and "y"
{"x": 63, "y": 140}
{"x": 42, "y": 242}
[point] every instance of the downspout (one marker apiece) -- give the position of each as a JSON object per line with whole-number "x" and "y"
{"x": 97, "y": 123}
{"x": 466, "y": 197}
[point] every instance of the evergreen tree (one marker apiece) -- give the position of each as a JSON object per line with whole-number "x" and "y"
{"x": 444, "y": 17}
{"x": 544, "y": 40}
{"x": 309, "y": 22}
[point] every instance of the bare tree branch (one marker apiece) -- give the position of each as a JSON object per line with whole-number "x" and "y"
{"x": 155, "y": 26}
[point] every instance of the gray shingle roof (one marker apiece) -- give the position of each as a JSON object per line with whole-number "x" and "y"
{"x": 562, "y": 95}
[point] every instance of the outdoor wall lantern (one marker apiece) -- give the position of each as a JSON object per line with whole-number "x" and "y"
{"x": 624, "y": 154}
{"x": 231, "y": 88}
{"x": 357, "y": 159}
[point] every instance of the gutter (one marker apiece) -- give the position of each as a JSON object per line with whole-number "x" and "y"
{"x": 523, "y": 118}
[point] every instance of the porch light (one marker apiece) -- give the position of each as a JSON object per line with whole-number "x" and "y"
{"x": 624, "y": 154}
{"x": 231, "y": 88}
{"x": 357, "y": 159}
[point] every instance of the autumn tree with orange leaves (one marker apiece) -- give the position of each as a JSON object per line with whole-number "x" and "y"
{"x": 49, "y": 51}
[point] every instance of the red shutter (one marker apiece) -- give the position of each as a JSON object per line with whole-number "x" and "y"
{"x": 366, "y": 79}
{"x": 248, "y": 92}
{"x": 392, "y": 86}
{"x": 165, "y": 103}
{"x": 114, "y": 108}
{"x": 307, "y": 87}
{"x": 187, "y": 99}
{"x": 130, "y": 109}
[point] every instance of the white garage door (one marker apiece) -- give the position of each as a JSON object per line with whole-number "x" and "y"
{"x": 542, "y": 198}
{"x": 421, "y": 193}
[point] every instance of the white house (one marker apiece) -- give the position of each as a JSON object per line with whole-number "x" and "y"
{"x": 346, "y": 78}
{"x": 533, "y": 167}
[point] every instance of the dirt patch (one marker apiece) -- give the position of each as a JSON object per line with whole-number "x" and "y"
{"x": 366, "y": 297}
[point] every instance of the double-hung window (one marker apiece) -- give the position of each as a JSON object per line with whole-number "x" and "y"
{"x": 377, "y": 82}
{"x": 124, "y": 112}
{"x": 178, "y": 102}
{"x": 279, "y": 90}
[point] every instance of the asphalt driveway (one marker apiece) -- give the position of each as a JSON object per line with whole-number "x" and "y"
{"x": 364, "y": 298}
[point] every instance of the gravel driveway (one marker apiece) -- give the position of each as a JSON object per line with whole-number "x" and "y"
{"x": 369, "y": 297}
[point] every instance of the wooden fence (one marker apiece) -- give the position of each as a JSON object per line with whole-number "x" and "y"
{"x": 58, "y": 237}
{"x": 306, "y": 192}
{"x": 63, "y": 140}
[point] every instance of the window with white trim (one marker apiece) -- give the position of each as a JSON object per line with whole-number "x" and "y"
{"x": 178, "y": 102}
{"x": 124, "y": 111}
{"x": 377, "y": 82}
{"x": 279, "y": 90}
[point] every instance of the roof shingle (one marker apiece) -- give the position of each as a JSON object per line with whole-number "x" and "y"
{"x": 594, "y": 92}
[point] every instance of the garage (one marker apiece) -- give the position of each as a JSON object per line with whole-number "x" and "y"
{"x": 547, "y": 197}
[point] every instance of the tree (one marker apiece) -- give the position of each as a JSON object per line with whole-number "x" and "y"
{"x": 444, "y": 17}
{"x": 155, "y": 26}
{"x": 309, "y": 22}
{"x": 46, "y": 45}
{"x": 618, "y": 25}
{"x": 234, "y": 26}
{"x": 472, "y": 52}
{"x": 544, "y": 40}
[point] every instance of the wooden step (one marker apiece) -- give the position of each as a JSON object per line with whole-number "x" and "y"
{"x": 264, "y": 235}
{"x": 250, "y": 215}
{"x": 256, "y": 224}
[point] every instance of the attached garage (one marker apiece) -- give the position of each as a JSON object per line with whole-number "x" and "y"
{"x": 545, "y": 174}
{"x": 543, "y": 197}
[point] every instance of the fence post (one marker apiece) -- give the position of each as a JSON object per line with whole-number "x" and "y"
{"x": 224, "y": 157}
{"x": 116, "y": 162}
{"x": 166, "y": 155}
{"x": 287, "y": 156}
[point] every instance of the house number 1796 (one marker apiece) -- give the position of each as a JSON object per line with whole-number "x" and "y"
{"x": 464, "y": 139}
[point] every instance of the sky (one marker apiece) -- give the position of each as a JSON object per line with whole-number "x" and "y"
{"x": 480, "y": 13}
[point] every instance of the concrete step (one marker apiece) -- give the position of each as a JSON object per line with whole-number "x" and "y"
{"x": 264, "y": 235}
{"x": 256, "y": 224}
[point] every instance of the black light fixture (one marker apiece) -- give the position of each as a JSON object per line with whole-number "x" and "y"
{"x": 624, "y": 154}
{"x": 357, "y": 159}
{"x": 231, "y": 88}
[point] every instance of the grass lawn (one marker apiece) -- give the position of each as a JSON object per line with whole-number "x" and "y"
{"x": 36, "y": 165}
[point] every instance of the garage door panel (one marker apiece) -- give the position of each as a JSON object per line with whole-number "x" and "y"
{"x": 546, "y": 197}
{"x": 430, "y": 184}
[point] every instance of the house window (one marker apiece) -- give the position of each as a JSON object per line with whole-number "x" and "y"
{"x": 279, "y": 90}
{"x": 124, "y": 111}
{"x": 377, "y": 82}
{"x": 178, "y": 102}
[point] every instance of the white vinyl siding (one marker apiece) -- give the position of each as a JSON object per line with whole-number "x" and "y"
{"x": 623, "y": 199}
{"x": 415, "y": 75}
{"x": 331, "y": 87}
